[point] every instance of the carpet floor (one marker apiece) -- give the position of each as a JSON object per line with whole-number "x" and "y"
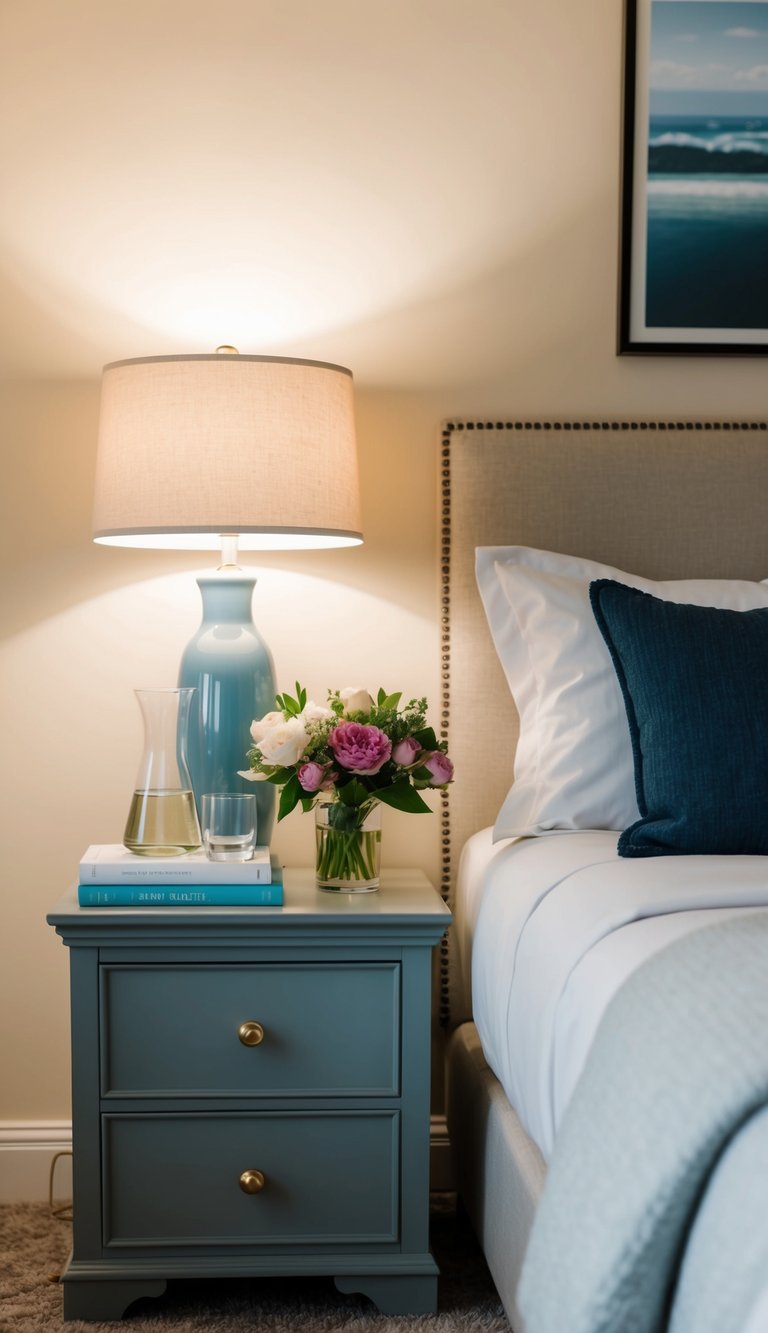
{"x": 34, "y": 1246}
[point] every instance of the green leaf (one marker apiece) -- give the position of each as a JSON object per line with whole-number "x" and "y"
{"x": 289, "y": 797}
{"x": 381, "y": 696}
{"x": 391, "y": 700}
{"x": 343, "y": 818}
{"x": 353, "y": 793}
{"x": 290, "y": 706}
{"x": 426, "y": 738}
{"x": 402, "y": 796}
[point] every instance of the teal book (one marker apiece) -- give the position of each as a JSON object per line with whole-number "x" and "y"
{"x": 185, "y": 895}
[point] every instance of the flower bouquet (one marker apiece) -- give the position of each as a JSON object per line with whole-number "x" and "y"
{"x": 344, "y": 760}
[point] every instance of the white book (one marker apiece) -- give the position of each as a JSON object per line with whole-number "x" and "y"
{"x": 111, "y": 863}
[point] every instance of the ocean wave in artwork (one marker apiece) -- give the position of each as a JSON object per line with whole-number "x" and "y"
{"x": 708, "y": 187}
{"x": 750, "y": 141}
{"x": 743, "y": 151}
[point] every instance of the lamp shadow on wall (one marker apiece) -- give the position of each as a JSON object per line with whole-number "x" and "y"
{"x": 133, "y": 636}
{"x": 86, "y": 661}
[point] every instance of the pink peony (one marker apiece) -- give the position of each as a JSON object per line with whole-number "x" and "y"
{"x": 405, "y": 751}
{"x": 316, "y": 777}
{"x": 360, "y": 748}
{"x": 441, "y": 768}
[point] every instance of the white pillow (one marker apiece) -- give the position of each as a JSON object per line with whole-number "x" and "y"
{"x": 573, "y": 767}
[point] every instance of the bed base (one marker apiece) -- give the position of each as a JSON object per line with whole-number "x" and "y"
{"x": 499, "y": 1169}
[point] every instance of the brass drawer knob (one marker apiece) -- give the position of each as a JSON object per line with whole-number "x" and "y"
{"x": 252, "y": 1182}
{"x": 250, "y": 1033}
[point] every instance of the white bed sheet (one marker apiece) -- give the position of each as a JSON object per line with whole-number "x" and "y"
{"x": 550, "y": 927}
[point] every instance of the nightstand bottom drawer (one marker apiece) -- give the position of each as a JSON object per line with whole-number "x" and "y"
{"x": 268, "y": 1178}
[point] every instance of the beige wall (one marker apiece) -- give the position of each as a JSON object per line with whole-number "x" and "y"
{"x": 532, "y": 335}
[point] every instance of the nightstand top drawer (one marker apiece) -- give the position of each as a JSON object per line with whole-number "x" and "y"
{"x": 261, "y": 1030}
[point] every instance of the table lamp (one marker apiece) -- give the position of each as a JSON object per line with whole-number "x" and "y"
{"x": 226, "y": 452}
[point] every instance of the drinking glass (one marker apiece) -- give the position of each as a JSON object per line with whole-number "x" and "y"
{"x": 229, "y": 825}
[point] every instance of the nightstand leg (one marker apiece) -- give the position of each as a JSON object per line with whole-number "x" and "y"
{"x": 98, "y": 1300}
{"x": 394, "y": 1295}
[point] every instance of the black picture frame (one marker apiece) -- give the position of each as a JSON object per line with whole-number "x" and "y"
{"x": 694, "y": 242}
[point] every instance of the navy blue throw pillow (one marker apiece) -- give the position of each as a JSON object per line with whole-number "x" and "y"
{"x": 695, "y": 687}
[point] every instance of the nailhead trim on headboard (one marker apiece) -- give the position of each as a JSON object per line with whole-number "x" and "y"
{"x": 448, "y": 429}
{"x": 445, "y": 677}
{"x": 451, "y": 426}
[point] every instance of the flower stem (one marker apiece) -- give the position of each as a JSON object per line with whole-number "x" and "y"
{"x": 347, "y": 855}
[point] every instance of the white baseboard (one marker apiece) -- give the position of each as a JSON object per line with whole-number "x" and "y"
{"x": 26, "y": 1151}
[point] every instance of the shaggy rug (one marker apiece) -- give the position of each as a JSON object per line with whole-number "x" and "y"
{"x": 34, "y": 1246}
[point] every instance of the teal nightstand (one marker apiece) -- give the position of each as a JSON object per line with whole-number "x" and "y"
{"x": 251, "y": 1093}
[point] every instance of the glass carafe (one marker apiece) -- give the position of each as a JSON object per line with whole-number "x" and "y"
{"x": 162, "y": 820}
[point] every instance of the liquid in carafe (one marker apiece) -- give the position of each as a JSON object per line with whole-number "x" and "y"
{"x": 162, "y": 818}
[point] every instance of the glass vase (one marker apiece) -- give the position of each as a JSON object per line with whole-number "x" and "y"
{"x": 348, "y": 847}
{"x": 162, "y": 819}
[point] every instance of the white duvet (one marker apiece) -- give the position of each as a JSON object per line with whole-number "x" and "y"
{"x": 550, "y": 927}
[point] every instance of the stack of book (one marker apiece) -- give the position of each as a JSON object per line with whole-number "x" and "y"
{"x": 111, "y": 876}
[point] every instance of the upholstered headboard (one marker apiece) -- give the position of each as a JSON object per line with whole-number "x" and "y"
{"x": 663, "y": 499}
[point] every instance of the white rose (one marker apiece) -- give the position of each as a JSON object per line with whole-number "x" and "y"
{"x": 284, "y": 744}
{"x": 313, "y": 712}
{"x": 251, "y": 775}
{"x": 264, "y": 724}
{"x": 356, "y": 700}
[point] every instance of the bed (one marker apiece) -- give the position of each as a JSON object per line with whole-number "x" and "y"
{"x": 575, "y": 1129}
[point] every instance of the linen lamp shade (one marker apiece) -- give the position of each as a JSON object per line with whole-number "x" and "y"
{"x": 223, "y": 451}
{"x": 192, "y": 448}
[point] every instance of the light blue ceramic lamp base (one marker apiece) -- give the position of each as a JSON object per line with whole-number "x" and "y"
{"x": 231, "y": 669}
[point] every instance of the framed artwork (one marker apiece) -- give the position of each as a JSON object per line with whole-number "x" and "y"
{"x": 694, "y": 244}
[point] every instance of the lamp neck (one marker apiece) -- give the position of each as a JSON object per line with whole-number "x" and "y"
{"x": 229, "y": 543}
{"x": 226, "y": 597}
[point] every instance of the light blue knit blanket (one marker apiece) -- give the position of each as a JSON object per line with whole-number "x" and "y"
{"x": 654, "y": 1214}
